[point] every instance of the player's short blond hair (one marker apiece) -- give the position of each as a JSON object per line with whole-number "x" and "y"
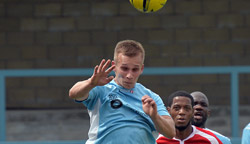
{"x": 129, "y": 48}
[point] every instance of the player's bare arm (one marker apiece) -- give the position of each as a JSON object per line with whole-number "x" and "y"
{"x": 100, "y": 77}
{"x": 164, "y": 124}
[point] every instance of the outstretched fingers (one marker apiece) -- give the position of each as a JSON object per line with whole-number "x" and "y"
{"x": 95, "y": 70}
{"x": 101, "y": 72}
{"x": 110, "y": 69}
{"x": 105, "y": 66}
{"x": 100, "y": 68}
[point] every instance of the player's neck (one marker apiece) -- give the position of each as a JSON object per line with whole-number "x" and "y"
{"x": 184, "y": 133}
{"x": 202, "y": 126}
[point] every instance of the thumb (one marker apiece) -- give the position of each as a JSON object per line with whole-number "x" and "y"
{"x": 110, "y": 78}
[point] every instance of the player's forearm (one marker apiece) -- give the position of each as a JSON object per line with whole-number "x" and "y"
{"x": 165, "y": 125}
{"x": 81, "y": 90}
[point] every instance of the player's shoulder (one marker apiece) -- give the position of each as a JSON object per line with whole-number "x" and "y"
{"x": 247, "y": 126}
{"x": 143, "y": 89}
{"x": 141, "y": 86}
{"x": 110, "y": 85}
{"x": 217, "y": 133}
{"x": 198, "y": 129}
{"x": 207, "y": 134}
{"x": 102, "y": 90}
{"x": 203, "y": 130}
{"x": 223, "y": 138}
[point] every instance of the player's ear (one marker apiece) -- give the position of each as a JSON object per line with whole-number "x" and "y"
{"x": 168, "y": 108}
{"x": 113, "y": 62}
{"x": 208, "y": 112}
{"x": 142, "y": 68}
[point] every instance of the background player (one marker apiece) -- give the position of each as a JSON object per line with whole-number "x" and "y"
{"x": 180, "y": 106}
{"x": 202, "y": 112}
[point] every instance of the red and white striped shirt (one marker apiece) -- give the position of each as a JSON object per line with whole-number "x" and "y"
{"x": 198, "y": 136}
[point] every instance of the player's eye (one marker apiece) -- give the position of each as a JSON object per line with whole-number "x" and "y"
{"x": 135, "y": 69}
{"x": 124, "y": 68}
{"x": 176, "y": 108}
{"x": 204, "y": 104}
{"x": 187, "y": 108}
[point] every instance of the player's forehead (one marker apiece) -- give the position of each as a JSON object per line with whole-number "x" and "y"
{"x": 200, "y": 99}
{"x": 181, "y": 101}
{"x": 134, "y": 61}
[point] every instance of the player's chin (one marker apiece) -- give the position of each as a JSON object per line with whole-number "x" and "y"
{"x": 181, "y": 123}
{"x": 200, "y": 119}
{"x": 128, "y": 85}
{"x": 197, "y": 121}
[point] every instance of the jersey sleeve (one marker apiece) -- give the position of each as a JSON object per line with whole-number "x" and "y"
{"x": 223, "y": 139}
{"x": 210, "y": 133}
{"x": 94, "y": 94}
{"x": 160, "y": 105}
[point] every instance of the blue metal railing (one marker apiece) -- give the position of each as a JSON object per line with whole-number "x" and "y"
{"x": 233, "y": 71}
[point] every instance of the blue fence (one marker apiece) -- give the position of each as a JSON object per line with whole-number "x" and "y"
{"x": 233, "y": 71}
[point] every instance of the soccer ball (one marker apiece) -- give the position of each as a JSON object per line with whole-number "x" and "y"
{"x": 148, "y": 6}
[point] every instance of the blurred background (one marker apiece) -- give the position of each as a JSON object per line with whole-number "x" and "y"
{"x": 56, "y": 34}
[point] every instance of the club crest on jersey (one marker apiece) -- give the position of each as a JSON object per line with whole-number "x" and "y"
{"x": 114, "y": 101}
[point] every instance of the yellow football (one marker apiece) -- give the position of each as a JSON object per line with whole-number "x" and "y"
{"x": 148, "y": 6}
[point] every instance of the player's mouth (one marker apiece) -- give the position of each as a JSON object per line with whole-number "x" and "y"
{"x": 181, "y": 120}
{"x": 198, "y": 115}
{"x": 128, "y": 83}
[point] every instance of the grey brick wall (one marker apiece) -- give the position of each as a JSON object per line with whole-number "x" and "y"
{"x": 79, "y": 33}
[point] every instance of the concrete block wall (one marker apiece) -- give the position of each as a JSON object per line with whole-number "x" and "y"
{"x": 79, "y": 33}
{"x": 73, "y": 124}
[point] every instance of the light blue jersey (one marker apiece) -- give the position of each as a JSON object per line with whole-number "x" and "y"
{"x": 223, "y": 139}
{"x": 117, "y": 116}
{"x": 246, "y": 135}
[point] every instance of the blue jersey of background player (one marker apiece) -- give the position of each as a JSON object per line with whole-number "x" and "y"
{"x": 201, "y": 112}
{"x": 246, "y": 135}
{"x": 122, "y": 110}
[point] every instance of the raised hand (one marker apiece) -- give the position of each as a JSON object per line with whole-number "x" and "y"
{"x": 100, "y": 76}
